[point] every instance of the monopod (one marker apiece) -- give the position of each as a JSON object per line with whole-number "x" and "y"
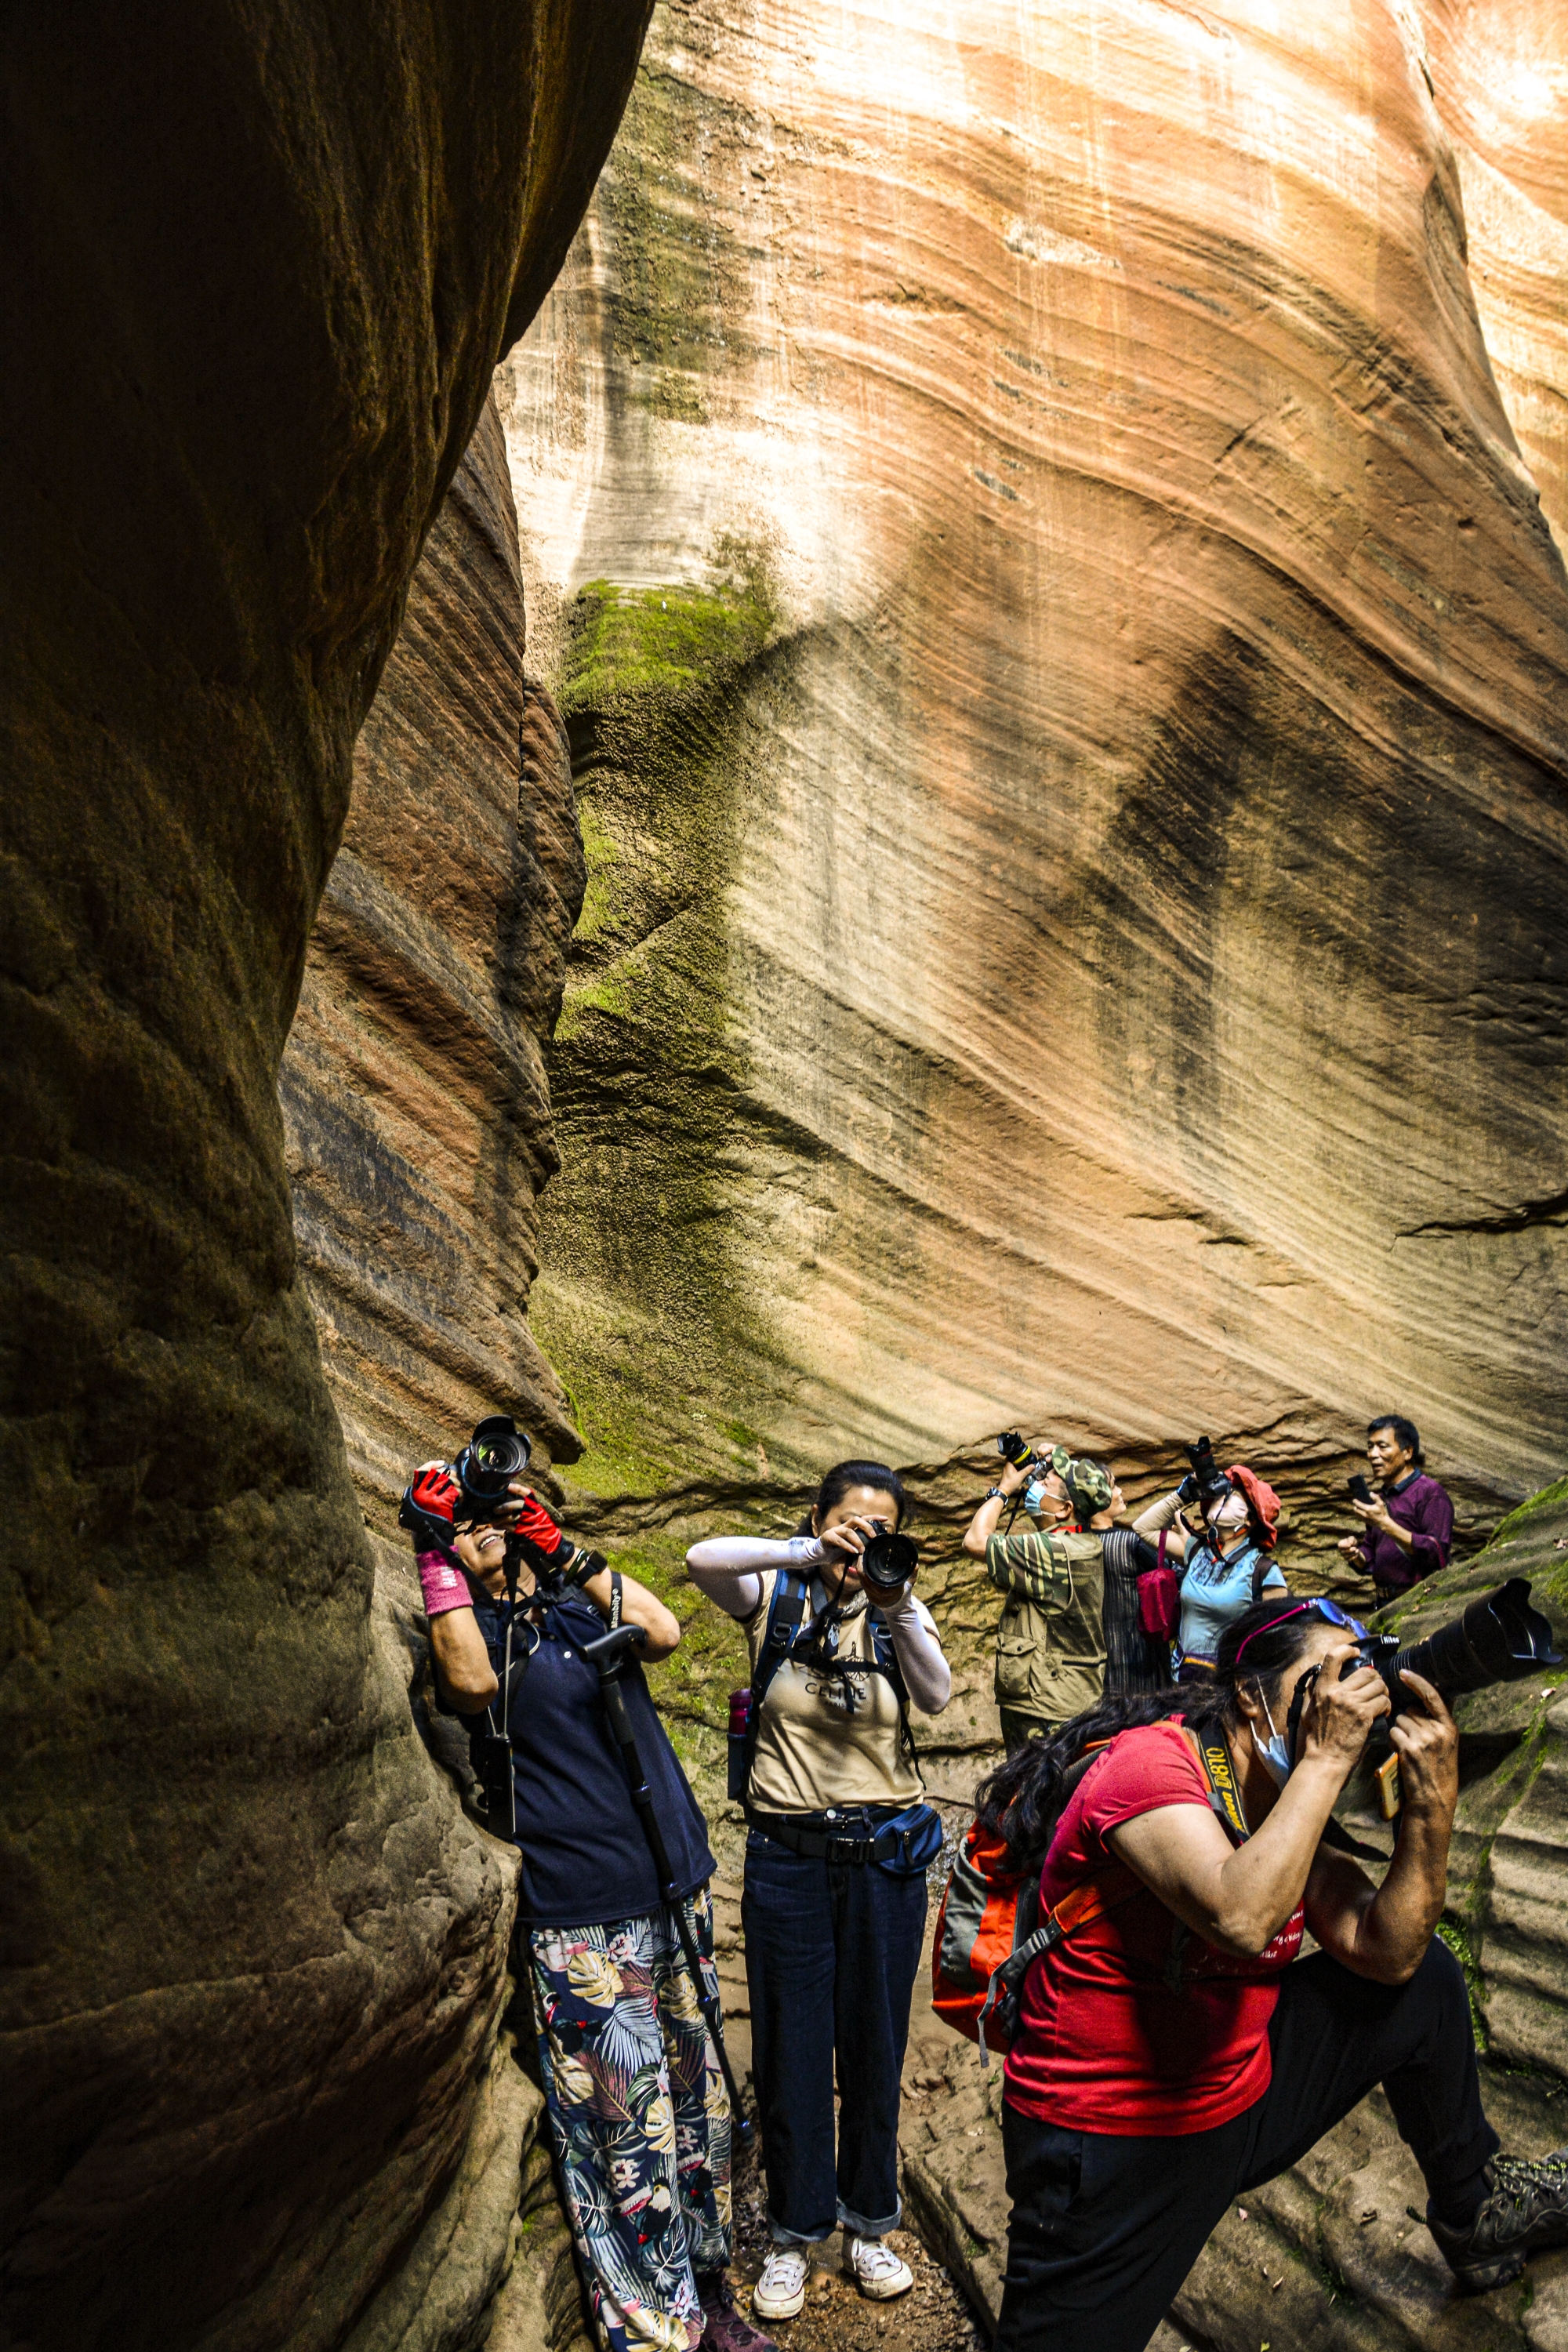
{"x": 609, "y": 1654}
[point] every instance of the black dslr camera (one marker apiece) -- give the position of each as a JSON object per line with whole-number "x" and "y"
{"x": 888, "y": 1561}
{"x": 497, "y": 1452}
{"x": 1206, "y": 1481}
{"x": 1498, "y": 1639}
{"x": 1016, "y": 1449}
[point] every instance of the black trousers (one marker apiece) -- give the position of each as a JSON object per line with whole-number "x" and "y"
{"x": 831, "y": 1955}
{"x": 1104, "y": 2230}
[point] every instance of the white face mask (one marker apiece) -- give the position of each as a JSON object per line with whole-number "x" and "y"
{"x": 1231, "y": 1513}
{"x": 1274, "y": 1751}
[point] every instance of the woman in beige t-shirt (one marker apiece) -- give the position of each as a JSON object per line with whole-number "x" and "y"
{"x": 834, "y": 1901}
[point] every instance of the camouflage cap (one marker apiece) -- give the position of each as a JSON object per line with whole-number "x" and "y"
{"x": 1089, "y": 1487}
{"x": 1052, "y": 1457}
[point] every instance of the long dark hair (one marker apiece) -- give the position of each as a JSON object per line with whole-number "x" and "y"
{"x": 1021, "y": 1799}
{"x": 845, "y": 1475}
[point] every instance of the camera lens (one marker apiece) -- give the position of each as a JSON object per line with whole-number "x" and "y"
{"x": 497, "y": 1452}
{"x": 888, "y": 1561}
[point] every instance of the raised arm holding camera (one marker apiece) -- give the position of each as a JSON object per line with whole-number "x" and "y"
{"x": 839, "y": 1840}
{"x": 1050, "y": 1639}
{"x": 1223, "y": 1558}
{"x": 533, "y": 1641}
{"x": 1168, "y": 2055}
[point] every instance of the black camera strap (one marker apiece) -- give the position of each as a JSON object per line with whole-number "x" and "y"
{"x": 795, "y": 1633}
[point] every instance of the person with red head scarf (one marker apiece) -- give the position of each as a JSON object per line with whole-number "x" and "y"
{"x": 1223, "y": 1562}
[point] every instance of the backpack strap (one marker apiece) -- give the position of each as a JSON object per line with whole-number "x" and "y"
{"x": 788, "y": 1611}
{"x": 886, "y": 1658}
{"x": 1260, "y": 1575}
{"x": 1089, "y": 1900}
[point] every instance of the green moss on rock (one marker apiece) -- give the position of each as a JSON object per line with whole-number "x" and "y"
{"x": 671, "y": 696}
{"x": 661, "y": 641}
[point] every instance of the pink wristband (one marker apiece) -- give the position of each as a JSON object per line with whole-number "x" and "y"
{"x": 444, "y": 1586}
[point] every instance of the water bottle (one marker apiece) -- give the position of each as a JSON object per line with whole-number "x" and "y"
{"x": 740, "y": 1727}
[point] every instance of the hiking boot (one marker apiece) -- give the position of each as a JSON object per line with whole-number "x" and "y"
{"x": 780, "y": 2292}
{"x": 1527, "y": 2209}
{"x": 723, "y": 2329}
{"x": 876, "y": 2269}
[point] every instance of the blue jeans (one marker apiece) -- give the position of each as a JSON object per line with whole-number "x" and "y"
{"x": 831, "y": 1955}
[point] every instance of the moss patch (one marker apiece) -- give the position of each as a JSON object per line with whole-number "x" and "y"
{"x": 644, "y": 1306}
{"x": 662, "y": 641}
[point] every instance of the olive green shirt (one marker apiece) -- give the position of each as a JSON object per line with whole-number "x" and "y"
{"x": 1050, "y": 1644}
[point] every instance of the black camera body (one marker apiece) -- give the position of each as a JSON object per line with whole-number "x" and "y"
{"x": 1206, "y": 1481}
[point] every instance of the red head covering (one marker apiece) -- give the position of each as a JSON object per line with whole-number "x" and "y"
{"x": 1262, "y": 1500}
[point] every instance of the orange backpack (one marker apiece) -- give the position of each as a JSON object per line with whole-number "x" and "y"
{"x": 976, "y": 1929}
{"x": 989, "y": 1930}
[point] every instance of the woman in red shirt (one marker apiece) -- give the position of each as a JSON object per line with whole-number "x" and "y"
{"x": 1173, "y": 2050}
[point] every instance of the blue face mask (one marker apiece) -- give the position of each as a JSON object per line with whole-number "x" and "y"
{"x": 1035, "y": 1496}
{"x": 1274, "y": 1751}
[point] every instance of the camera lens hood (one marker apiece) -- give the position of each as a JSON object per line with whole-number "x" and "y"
{"x": 1500, "y": 1638}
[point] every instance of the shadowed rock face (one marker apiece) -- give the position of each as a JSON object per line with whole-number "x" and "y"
{"x": 261, "y": 273}
{"x": 414, "y": 1085}
{"x": 1065, "y": 666}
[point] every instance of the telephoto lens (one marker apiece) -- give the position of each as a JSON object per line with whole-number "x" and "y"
{"x": 1015, "y": 1448}
{"x": 888, "y": 1561}
{"x": 1498, "y": 1639}
{"x": 497, "y": 1452}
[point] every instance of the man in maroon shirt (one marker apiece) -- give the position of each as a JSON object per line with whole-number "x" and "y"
{"x": 1409, "y": 1525}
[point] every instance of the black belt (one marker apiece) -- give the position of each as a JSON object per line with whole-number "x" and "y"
{"x": 829, "y": 1843}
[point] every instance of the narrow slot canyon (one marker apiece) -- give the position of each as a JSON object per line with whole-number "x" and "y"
{"x": 770, "y": 735}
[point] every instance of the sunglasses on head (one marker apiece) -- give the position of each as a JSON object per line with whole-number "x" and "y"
{"x": 1328, "y": 1609}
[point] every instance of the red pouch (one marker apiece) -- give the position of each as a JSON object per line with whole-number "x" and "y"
{"x": 1160, "y": 1599}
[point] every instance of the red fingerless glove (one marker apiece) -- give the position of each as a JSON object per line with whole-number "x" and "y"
{"x": 443, "y": 1585}
{"x": 535, "y": 1522}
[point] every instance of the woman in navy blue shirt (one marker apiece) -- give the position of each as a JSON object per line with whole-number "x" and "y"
{"x": 636, "y": 2102}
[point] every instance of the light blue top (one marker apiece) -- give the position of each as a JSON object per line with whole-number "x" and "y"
{"x": 1215, "y": 1592}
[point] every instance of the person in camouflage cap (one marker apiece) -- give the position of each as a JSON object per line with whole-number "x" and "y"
{"x": 1050, "y": 1643}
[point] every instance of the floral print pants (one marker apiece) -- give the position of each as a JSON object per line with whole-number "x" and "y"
{"x": 639, "y": 2118}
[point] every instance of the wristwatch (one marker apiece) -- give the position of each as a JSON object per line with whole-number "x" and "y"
{"x": 994, "y": 1494}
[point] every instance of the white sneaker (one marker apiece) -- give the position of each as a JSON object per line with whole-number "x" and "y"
{"x": 780, "y": 2292}
{"x": 876, "y": 2269}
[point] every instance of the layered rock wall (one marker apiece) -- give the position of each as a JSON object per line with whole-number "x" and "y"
{"x": 1066, "y": 667}
{"x": 260, "y": 276}
{"x": 414, "y": 1087}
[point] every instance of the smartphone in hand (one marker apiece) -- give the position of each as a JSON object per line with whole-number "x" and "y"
{"x": 1359, "y": 1488}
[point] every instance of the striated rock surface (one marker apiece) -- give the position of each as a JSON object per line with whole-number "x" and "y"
{"x": 414, "y": 1085}
{"x": 1066, "y": 668}
{"x": 1498, "y": 76}
{"x": 1329, "y": 2255}
{"x": 253, "y": 1953}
